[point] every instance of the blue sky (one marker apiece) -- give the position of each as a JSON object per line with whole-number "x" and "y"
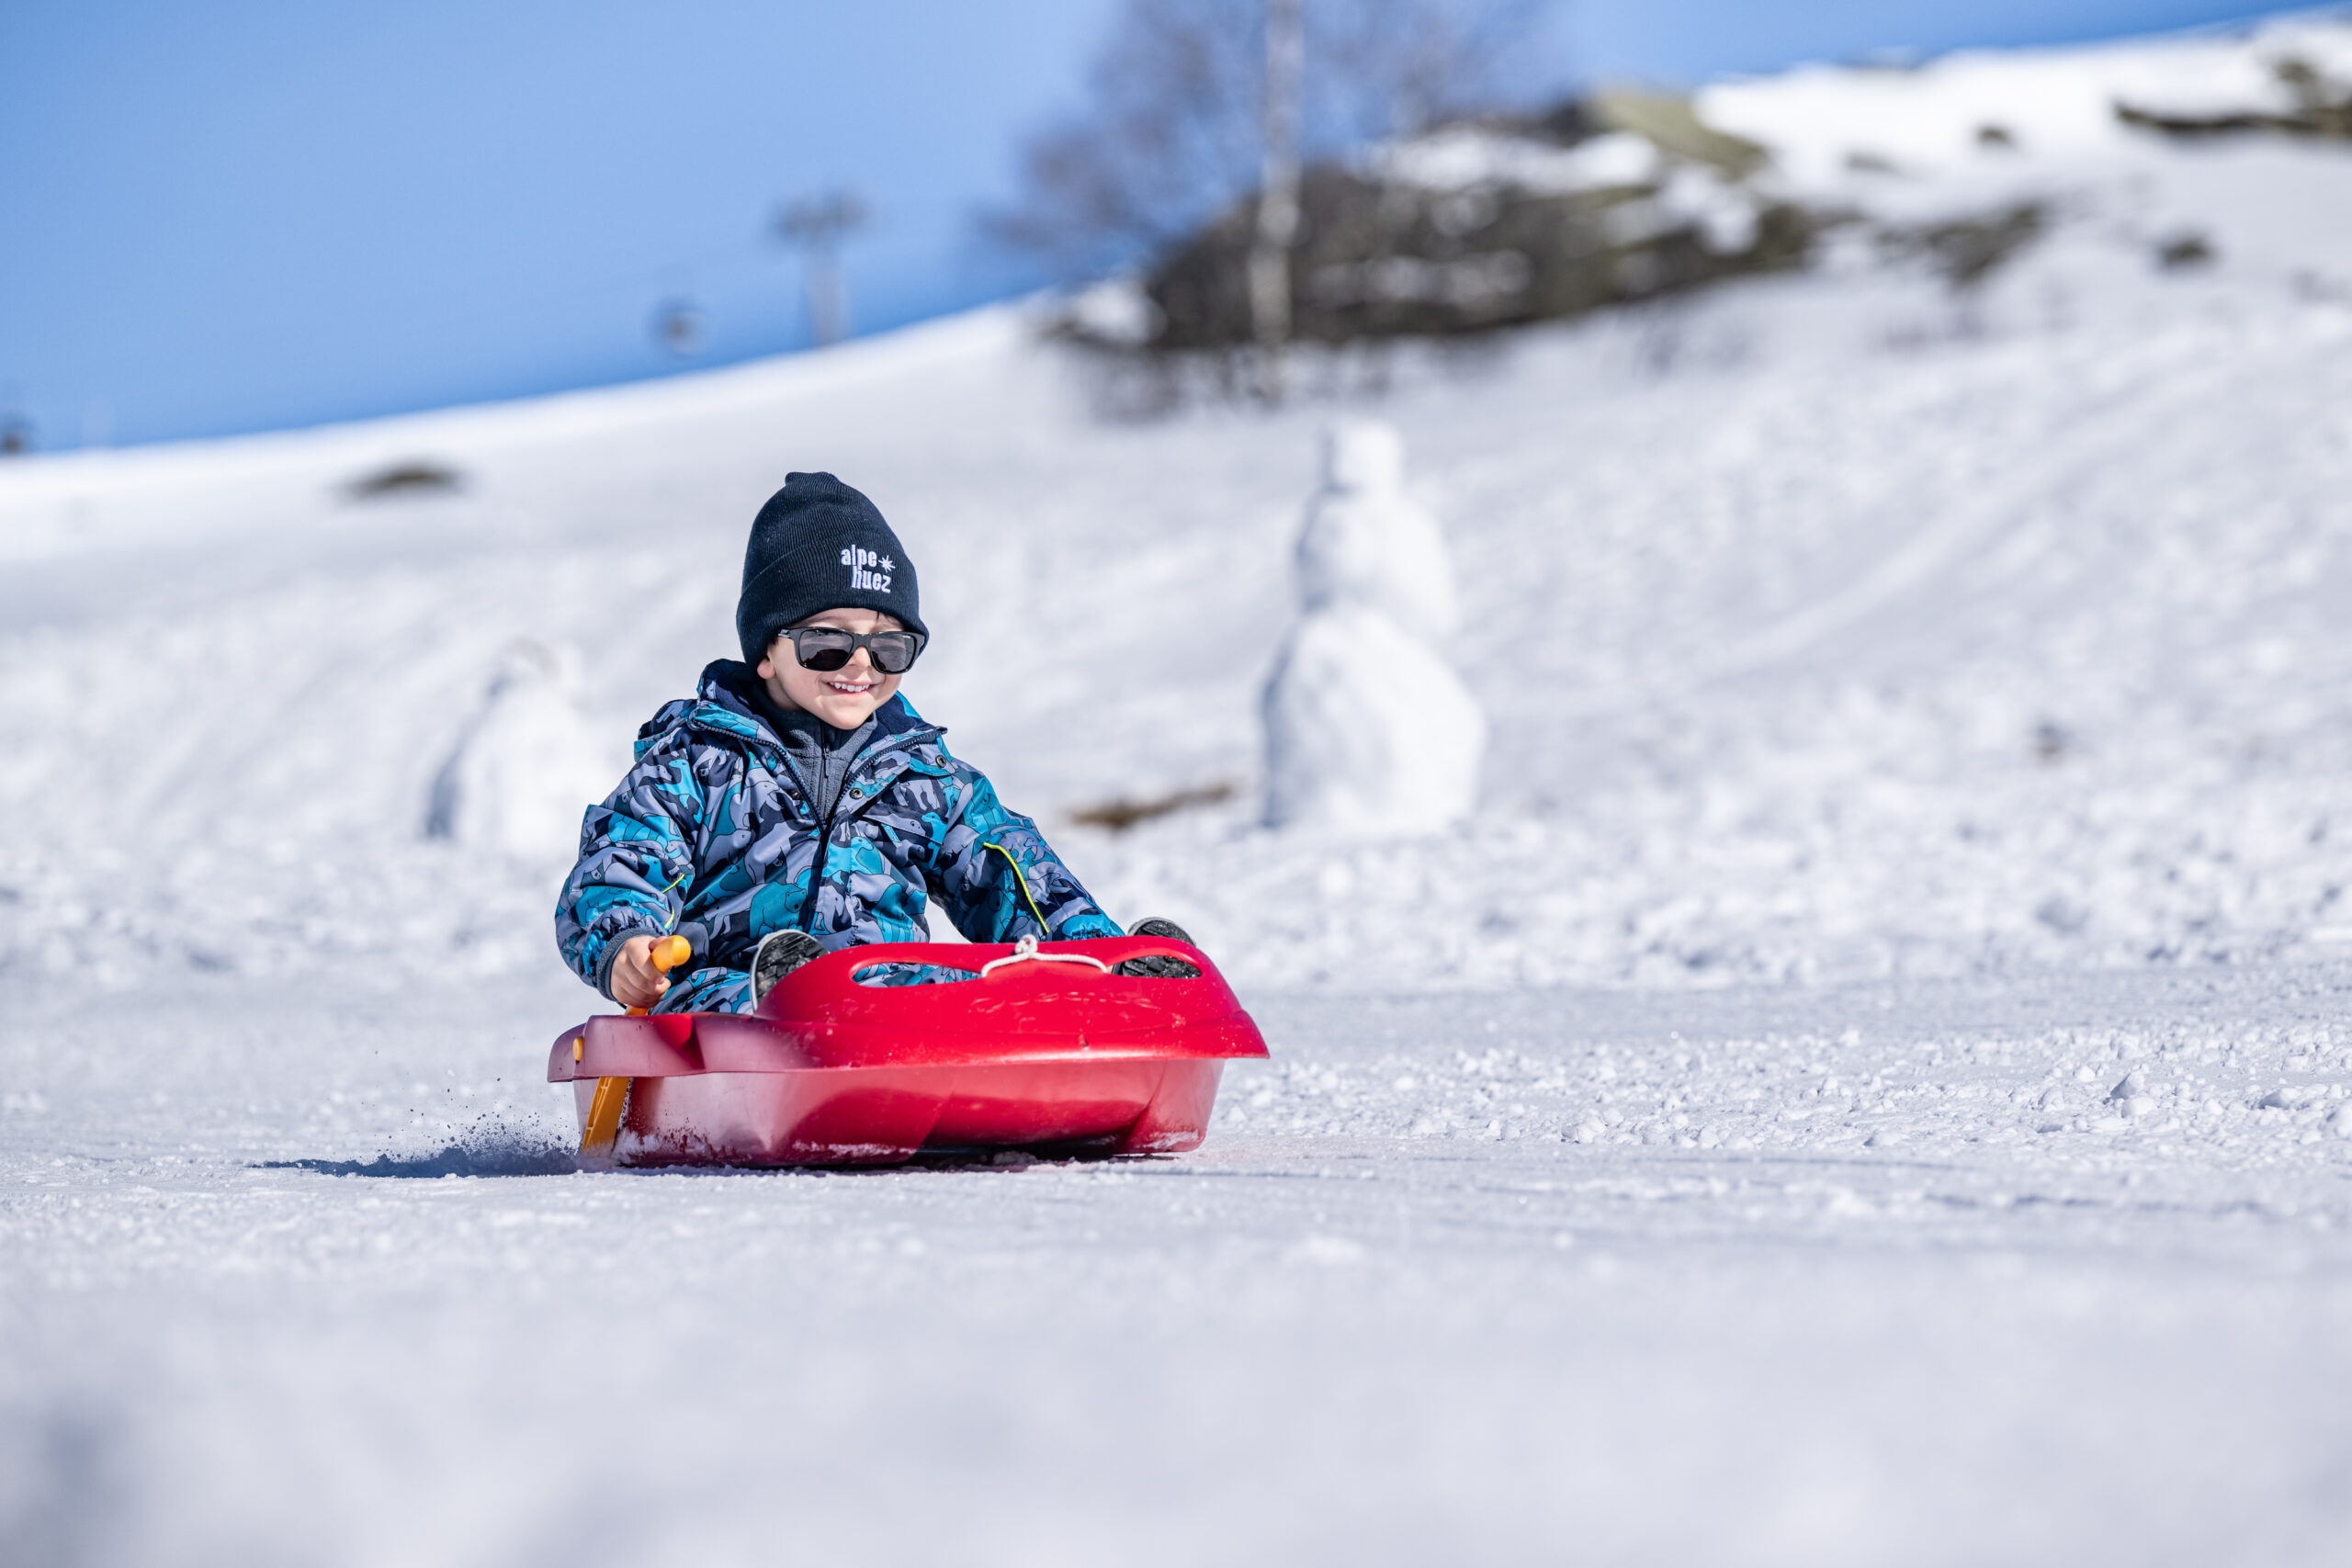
{"x": 256, "y": 214}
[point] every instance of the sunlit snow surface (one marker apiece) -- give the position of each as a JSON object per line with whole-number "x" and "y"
{"x": 1867, "y": 1275}
{"x": 1915, "y": 715}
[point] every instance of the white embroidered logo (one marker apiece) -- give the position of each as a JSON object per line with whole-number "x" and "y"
{"x": 860, "y": 563}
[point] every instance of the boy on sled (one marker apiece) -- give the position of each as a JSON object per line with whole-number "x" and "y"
{"x": 796, "y": 803}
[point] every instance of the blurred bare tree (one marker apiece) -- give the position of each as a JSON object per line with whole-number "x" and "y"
{"x": 1276, "y": 229}
{"x": 1176, "y": 122}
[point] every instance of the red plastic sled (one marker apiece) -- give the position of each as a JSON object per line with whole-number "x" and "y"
{"x": 1045, "y": 1048}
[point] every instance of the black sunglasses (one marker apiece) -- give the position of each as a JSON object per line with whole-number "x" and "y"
{"x": 830, "y": 647}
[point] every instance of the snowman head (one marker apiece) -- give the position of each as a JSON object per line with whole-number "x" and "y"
{"x": 1363, "y": 455}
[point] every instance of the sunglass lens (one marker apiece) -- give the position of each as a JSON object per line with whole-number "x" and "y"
{"x": 822, "y": 652}
{"x": 893, "y": 651}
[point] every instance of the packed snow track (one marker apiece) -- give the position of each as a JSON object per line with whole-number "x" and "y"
{"x": 1944, "y": 1273}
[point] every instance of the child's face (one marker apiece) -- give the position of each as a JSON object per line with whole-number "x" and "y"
{"x": 843, "y": 698}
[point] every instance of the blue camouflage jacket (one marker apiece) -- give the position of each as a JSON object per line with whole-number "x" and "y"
{"x": 712, "y": 836}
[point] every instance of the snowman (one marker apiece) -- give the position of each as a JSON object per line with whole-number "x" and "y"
{"x": 1368, "y": 729}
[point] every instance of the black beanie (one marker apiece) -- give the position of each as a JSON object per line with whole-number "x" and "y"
{"x": 819, "y": 545}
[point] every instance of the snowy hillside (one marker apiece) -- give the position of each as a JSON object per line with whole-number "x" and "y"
{"x": 1837, "y": 625}
{"x": 1975, "y": 655}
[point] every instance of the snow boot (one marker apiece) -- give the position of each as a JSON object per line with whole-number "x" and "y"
{"x": 1157, "y": 967}
{"x": 779, "y": 954}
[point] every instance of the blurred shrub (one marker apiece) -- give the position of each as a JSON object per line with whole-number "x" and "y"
{"x": 415, "y": 476}
{"x": 2319, "y": 107}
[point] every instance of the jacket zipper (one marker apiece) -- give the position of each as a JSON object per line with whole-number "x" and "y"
{"x": 825, "y": 841}
{"x": 867, "y": 762}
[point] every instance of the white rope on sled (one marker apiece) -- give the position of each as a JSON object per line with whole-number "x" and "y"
{"x": 1025, "y": 950}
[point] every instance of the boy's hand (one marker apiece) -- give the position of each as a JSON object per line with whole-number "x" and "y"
{"x": 636, "y": 981}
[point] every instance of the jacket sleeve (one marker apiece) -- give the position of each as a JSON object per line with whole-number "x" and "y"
{"x": 999, "y": 879}
{"x": 635, "y": 859}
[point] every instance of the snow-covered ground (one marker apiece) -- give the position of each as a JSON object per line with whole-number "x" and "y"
{"x": 1868, "y": 1087}
{"x": 1848, "y": 1275}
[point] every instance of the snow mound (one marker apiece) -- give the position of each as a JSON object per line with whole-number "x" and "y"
{"x": 1837, "y": 131}
{"x": 528, "y": 765}
{"x": 1462, "y": 157}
